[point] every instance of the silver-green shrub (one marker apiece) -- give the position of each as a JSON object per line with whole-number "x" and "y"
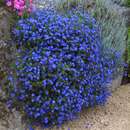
{"x": 113, "y": 26}
{"x": 64, "y": 5}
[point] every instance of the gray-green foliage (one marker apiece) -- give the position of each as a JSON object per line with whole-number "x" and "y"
{"x": 113, "y": 28}
{"x": 64, "y": 5}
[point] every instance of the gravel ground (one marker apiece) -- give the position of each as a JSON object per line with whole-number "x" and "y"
{"x": 115, "y": 115}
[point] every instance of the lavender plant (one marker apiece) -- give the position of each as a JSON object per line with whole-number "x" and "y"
{"x": 64, "y": 5}
{"x": 113, "y": 28}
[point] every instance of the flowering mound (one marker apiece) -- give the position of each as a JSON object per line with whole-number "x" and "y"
{"x": 60, "y": 68}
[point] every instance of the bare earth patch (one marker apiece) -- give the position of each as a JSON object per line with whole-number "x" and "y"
{"x": 114, "y": 116}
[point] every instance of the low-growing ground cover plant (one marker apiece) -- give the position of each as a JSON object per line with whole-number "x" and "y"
{"x": 61, "y": 67}
{"x": 64, "y": 5}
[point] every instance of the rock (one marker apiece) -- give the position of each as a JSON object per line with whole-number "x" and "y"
{"x": 7, "y": 57}
{"x": 116, "y": 83}
{"x": 5, "y": 24}
{"x": 10, "y": 120}
{"x": 6, "y": 48}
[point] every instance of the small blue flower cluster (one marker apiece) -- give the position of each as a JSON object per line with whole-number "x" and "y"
{"x": 47, "y": 27}
{"x": 61, "y": 68}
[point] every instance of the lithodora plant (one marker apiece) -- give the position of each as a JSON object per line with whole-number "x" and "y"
{"x": 60, "y": 68}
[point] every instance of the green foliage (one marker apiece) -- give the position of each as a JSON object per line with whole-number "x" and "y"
{"x": 1, "y": 2}
{"x": 128, "y": 3}
{"x": 128, "y": 54}
{"x": 128, "y": 46}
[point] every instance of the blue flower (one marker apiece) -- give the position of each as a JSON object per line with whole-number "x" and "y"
{"x": 60, "y": 67}
{"x": 46, "y": 120}
{"x": 31, "y": 128}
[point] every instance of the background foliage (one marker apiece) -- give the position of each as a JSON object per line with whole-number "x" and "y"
{"x": 113, "y": 27}
{"x": 122, "y": 2}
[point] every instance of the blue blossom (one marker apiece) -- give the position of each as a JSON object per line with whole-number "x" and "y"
{"x": 31, "y": 128}
{"x": 60, "y": 67}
